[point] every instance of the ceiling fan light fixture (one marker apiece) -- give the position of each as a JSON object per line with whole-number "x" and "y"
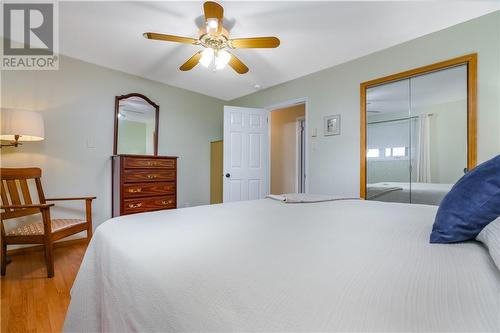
{"x": 207, "y": 56}
{"x": 222, "y": 59}
{"x": 212, "y": 25}
{"x": 215, "y": 40}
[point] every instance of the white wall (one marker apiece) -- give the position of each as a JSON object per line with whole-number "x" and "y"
{"x": 77, "y": 103}
{"x": 334, "y": 160}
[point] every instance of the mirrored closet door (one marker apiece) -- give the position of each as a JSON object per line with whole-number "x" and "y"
{"x": 418, "y": 129}
{"x": 389, "y": 141}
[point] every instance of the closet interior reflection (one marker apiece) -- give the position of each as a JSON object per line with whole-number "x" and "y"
{"x": 416, "y": 139}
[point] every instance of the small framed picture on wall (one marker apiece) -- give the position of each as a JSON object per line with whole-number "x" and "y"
{"x": 332, "y": 125}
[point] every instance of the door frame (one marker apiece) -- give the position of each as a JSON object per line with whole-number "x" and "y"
{"x": 283, "y": 105}
{"x": 471, "y": 61}
{"x": 298, "y": 151}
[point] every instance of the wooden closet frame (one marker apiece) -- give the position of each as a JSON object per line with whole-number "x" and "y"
{"x": 471, "y": 61}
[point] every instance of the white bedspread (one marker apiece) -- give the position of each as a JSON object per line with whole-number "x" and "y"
{"x": 264, "y": 266}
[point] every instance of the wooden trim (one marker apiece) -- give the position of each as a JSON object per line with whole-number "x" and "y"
{"x": 145, "y": 156}
{"x": 472, "y": 111}
{"x": 59, "y": 234}
{"x": 67, "y": 199}
{"x": 38, "y": 206}
{"x": 157, "y": 120}
{"x": 20, "y": 173}
{"x": 115, "y": 121}
{"x": 16, "y": 240}
{"x": 139, "y": 95}
{"x": 41, "y": 247}
{"x": 471, "y": 61}
{"x": 422, "y": 70}
{"x": 26, "y": 191}
{"x": 14, "y": 195}
{"x": 362, "y": 177}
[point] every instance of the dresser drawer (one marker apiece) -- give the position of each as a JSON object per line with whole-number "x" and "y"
{"x": 151, "y": 203}
{"x": 142, "y": 163}
{"x": 132, "y": 176}
{"x": 147, "y": 189}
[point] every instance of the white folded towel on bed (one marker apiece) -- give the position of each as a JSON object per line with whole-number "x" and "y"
{"x": 305, "y": 198}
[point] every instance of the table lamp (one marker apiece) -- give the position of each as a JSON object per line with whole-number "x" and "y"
{"x": 20, "y": 126}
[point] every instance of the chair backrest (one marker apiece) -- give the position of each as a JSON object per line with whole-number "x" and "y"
{"x": 15, "y": 190}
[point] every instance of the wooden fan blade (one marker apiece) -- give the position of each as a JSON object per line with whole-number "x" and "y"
{"x": 256, "y": 42}
{"x": 170, "y": 38}
{"x": 214, "y": 10}
{"x": 237, "y": 65}
{"x": 193, "y": 61}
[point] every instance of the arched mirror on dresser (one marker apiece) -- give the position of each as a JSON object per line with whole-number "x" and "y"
{"x": 141, "y": 180}
{"x": 418, "y": 132}
{"x": 136, "y": 125}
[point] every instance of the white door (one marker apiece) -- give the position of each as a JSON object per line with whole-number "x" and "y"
{"x": 246, "y": 153}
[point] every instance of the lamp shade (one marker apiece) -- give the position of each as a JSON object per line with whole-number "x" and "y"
{"x": 27, "y": 124}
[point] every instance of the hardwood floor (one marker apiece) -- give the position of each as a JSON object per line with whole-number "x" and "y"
{"x": 30, "y": 301}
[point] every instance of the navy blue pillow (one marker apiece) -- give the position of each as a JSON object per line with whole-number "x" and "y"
{"x": 472, "y": 203}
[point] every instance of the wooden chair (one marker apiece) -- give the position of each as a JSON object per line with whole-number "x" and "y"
{"x": 16, "y": 202}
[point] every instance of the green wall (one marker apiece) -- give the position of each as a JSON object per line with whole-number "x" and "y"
{"x": 131, "y": 137}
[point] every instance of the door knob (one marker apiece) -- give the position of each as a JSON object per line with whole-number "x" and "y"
{"x": 228, "y": 175}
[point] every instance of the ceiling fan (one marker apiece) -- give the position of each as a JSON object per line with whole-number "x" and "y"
{"x": 215, "y": 40}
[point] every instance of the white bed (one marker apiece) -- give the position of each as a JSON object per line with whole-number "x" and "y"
{"x": 264, "y": 265}
{"x": 421, "y": 193}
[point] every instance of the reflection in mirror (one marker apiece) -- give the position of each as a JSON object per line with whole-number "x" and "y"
{"x": 417, "y": 137}
{"x": 136, "y": 126}
{"x": 439, "y": 105}
{"x": 388, "y": 142}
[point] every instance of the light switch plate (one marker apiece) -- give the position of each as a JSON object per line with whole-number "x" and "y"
{"x": 91, "y": 142}
{"x": 314, "y": 145}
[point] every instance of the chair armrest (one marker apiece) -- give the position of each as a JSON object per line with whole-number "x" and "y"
{"x": 40, "y": 206}
{"x": 76, "y": 198}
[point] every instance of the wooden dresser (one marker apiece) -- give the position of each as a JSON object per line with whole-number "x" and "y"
{"x": 143, "y": 183}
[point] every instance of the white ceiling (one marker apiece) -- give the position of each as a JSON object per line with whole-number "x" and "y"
{"x": 445, "y": 86}
{"x": 314, "y": 36}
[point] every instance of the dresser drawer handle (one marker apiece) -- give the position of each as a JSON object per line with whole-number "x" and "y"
{"x": 151, "y": 176}
{"x": 151, "y": 163}
{"x": 135, "y": 190}
{"x": 169, "y": 202}
{"x": 137, "y": 205}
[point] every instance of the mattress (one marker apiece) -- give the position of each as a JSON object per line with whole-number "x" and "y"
{"x": 263, "y": 265}
{"x": 421, "y": 193}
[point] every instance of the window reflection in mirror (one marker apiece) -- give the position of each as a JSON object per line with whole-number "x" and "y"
{"x": 388, "y": 141}
{"x": 136, "y": 126}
